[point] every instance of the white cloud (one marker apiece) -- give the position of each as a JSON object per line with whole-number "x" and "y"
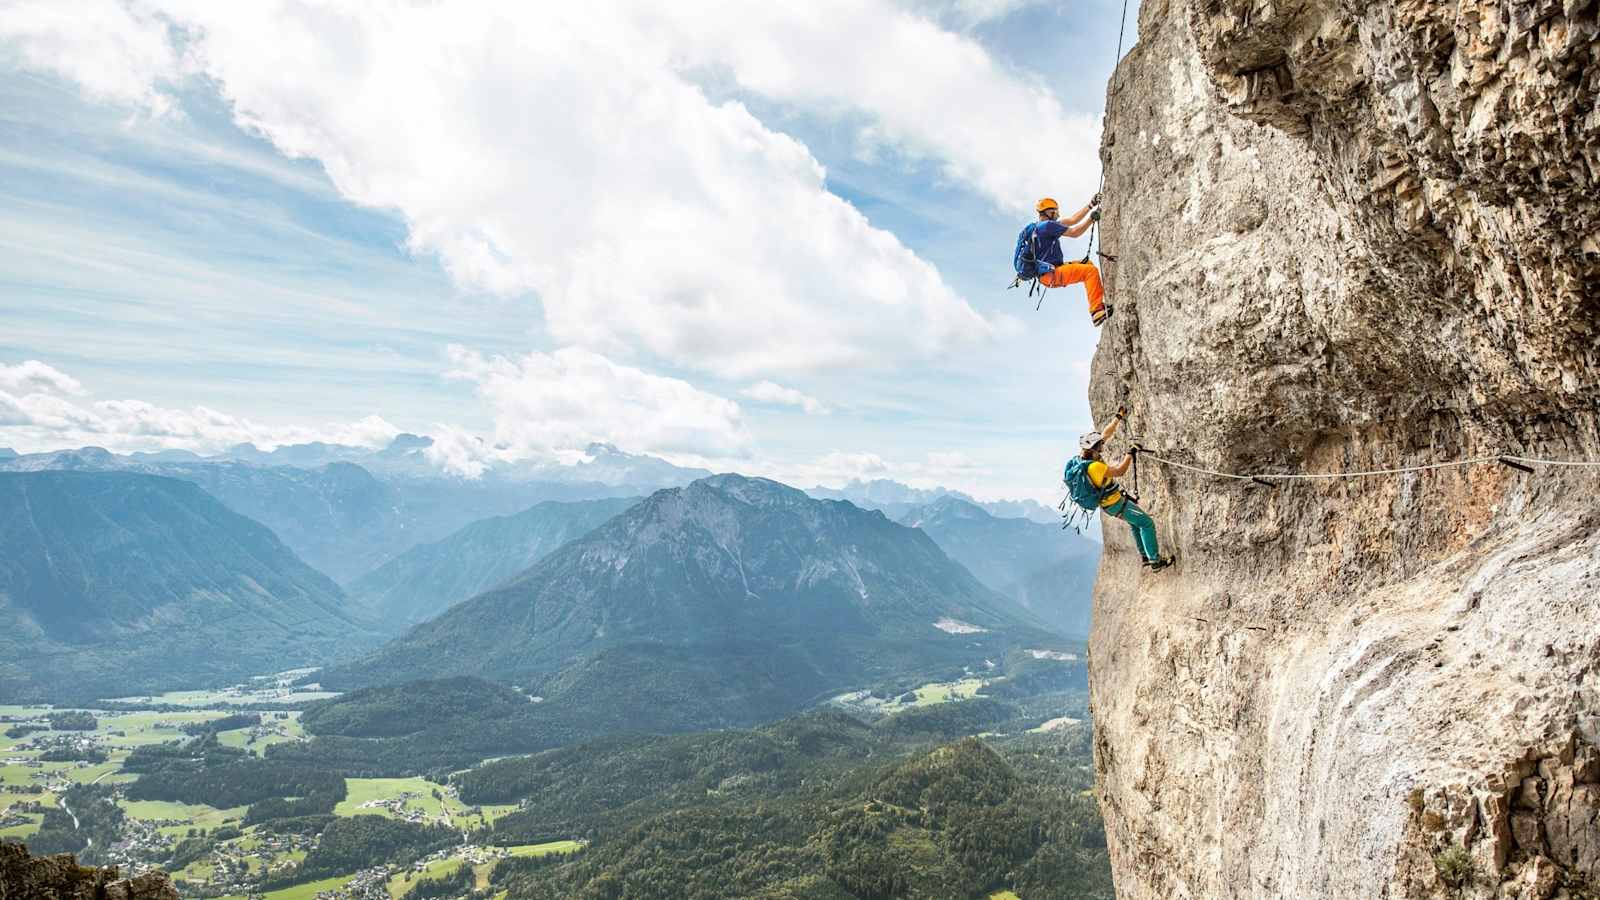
{"x": 938, "y": 469}
{"x": 461, "y": 452}
{"x": 564, "y": 154}
{"x": 32, "y": 375}
{"x": 117, "y": 53}
{"x": 568, "y": 152}
{"x": 973, "y": 12}
{"x": 547, "y": 403}
{"x": 927, "y": 91}
{"x": 768, "y": 392}
{"x": 42, "y": 408}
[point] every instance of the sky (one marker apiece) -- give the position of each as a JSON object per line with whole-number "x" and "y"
{"x": 768, "y": 239}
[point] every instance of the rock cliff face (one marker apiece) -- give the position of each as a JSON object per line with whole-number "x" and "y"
{"x": 1352, "y": 236}
{"x": 24, "y": 877}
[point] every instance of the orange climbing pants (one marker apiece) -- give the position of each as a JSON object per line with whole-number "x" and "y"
{"x": 1074, "y": 272}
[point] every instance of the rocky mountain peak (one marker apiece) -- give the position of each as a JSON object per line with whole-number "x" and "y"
{"x": 405, "y": 443}
{"x": 759, "y": 492}
{"x": 728, "y": 561}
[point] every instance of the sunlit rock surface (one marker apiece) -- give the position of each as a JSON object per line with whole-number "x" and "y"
{"x": 1354, "y": 236}
{"x": 24, "y": 877}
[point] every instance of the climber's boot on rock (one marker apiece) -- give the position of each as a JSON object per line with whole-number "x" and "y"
{"x": 1156, "y": 565}
{"x": 1101, "y": 315}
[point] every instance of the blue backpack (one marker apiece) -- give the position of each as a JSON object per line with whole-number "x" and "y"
{"x": 1083, "y": 491}
{"x": 1025, "y": 260}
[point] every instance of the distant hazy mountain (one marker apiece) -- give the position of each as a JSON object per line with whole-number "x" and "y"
{"x": 7, "y": 453}
{"x": 728, "y": 601}
{"x": 338, "y": 516}
{"x": 1046, "y": 569}
{"x": 114, "y": 583}
{"x": 895, "y": 500}
{"x": 430, "y": 578}
{"x": 406, "y": 456}
{"x": 608, "y": 465}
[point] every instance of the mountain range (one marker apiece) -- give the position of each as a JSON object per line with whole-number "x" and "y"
{"x": 348, "y": 510}
{"x": 430, "y": 578}
{"x": 115, "y": 583}
{"x": 336, "y": 513}
{"x": 1047, "y": 570}
{"x": 896, "y": 500}
{"x": 729, "y": 601}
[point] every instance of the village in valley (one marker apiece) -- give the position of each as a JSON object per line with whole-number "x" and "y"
{"x": 47, "y": 756}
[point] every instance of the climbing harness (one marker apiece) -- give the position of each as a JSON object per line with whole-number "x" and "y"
{"x": 1521, "y": 463}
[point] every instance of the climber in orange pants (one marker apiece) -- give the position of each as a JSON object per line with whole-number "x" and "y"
{"x": 1038, "y": 254}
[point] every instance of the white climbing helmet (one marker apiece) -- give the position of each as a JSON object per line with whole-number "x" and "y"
{"x": 1087, "y": 442}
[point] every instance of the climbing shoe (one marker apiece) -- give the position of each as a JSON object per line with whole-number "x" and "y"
{"x": 1156, "y": 565}
{"x": 1101, "y": 316}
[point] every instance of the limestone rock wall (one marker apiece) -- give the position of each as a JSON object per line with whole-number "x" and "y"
{"x": 1349, "y": 236}
{"x": 25, "y": 877}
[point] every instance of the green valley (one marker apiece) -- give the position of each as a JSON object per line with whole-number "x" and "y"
{"x": 236, "y": 800}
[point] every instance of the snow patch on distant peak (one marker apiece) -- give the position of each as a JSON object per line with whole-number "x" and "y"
{"x": 956, "y": 626}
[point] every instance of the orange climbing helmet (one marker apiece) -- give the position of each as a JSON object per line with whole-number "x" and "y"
{"x": 1046, "y": 203}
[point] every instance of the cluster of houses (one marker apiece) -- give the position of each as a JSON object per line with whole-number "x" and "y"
{"x": 139, "y": 842}
{"x": 398, "y": 808}
{"x": 231, "y": 869}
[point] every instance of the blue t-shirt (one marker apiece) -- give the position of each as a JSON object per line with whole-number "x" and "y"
{"x": 1047, "y": 242}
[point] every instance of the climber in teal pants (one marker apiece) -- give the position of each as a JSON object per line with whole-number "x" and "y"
{"x": 1144, "y": 528}
{"x": 1091, "y": 481}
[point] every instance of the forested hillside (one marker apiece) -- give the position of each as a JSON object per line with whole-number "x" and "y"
{"x": 115, "y": 583}
{"x": 729, "y": 602}
{"x": 430, "y": 578}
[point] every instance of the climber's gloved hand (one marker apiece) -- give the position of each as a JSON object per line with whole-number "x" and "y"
{"x": 1094, "y": 216}
{"x": 1095, "y": 201}
{"x": 1122, "y": 412}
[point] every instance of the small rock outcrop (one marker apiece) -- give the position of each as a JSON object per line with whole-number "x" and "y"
{"x": 1355, "y": 236}
{"x": 25, "y": 877}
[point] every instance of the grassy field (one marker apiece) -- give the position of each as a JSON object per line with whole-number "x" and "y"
{"x": 285, "y": 731}
{"x": 421, "y": 799}
{"x": 944, "y": 692}
{"x": 546, "y": 849}
{"x": 23, "y": 831}
{"x": 1003, "y": 895}
{"x": 198, "y": 871}
{"x": 17, "y": 773}
{"x": 140, "y": 729}
{"x": 307, "y": 891}
{"x": 926, "y": 695}
{"x": 400, "y": 884}
{"x": 9, "y": 800}
{"x": 366, "y": 790}
{"x": 191, "y": 815}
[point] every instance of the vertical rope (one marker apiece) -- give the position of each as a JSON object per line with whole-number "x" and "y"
{"x": 1094, "y": 229}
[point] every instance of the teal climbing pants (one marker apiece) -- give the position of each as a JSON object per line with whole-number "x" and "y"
{"x": 1144, "y": 529}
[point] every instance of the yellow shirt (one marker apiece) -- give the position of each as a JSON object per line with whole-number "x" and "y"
{"x": 1100, "y": 476}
